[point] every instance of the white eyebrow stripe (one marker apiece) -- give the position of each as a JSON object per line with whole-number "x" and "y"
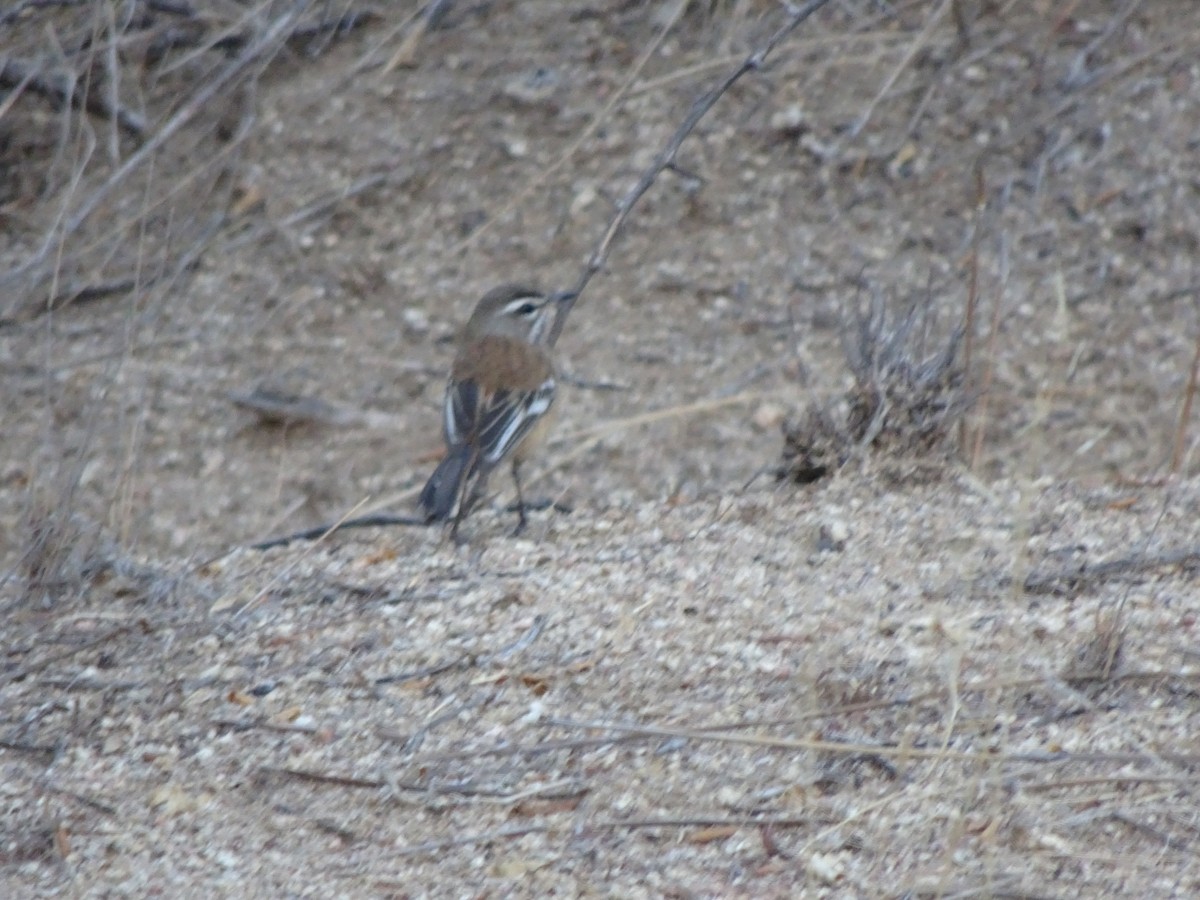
{"x": 516, "y": 303}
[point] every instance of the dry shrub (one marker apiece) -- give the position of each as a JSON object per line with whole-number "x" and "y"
{"x": 903, "y": 407}
{"x": 122, "y": 128}
{"x": 1097, "y": 656}
{"x": 814, "y": 446}
{"x": 61, "y": 552}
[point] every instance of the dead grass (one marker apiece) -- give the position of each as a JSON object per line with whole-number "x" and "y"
{"x": 122, "y": 137}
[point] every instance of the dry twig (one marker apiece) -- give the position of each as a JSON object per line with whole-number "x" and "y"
{"x": 1185, "y": 412}
{"x": 373, "y": 520}
{"x": 267, "y": 42}
{"x": 666, "y": 157}
{"x": 1070, "y": 580}
{"x": 18, "y": 75}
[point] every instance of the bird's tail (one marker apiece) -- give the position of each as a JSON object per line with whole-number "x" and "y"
{"x": 444, "y": 486}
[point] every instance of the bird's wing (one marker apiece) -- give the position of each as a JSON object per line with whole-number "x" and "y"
{"x": 460, "y": 411}
{"x": 507, "y": 417}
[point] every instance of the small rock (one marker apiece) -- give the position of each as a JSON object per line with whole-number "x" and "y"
{"x": 584, "y": 198}
{"x": 532, "y": 87}
{"x": 825, "y": 867}
{"x": 416, "y": 320}
{"x": 537, "y": 709}
{"x": 832, "y": 536}
{"x": 729, "y": 796}
{"x": 790, "y": 120}
{"x": 768, "y": 417}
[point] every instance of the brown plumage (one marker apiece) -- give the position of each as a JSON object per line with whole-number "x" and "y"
{"x": 497, "y": 362}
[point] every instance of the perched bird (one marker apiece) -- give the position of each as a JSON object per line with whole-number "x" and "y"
{"x": 501, "y": 388}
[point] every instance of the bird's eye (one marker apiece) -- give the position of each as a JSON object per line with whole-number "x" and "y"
{"x": 527, "y": 309}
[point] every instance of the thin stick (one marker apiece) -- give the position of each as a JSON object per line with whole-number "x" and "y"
{"x": 107, "y": 808}
{"x": 989, "y": 371}
{"x": 488, "y": 837}
{"x": 920, "y": 41}
{"x": 222, "y": 604}
{"x": 972, "y": 290}
{"x": 47, "y": 750}
{"x": 842, "y": 710}
{"x": 469, "y": 660}
{"x": 84, "y": 293}
{"x": 1074, "y": 578}
{"x": 878, "y": 750}
{"x": 1068, "y": 783}
{"x": 594, "y": 124}
{"x": 465, "y": 840}
{"x": 349, "y": 781}
{"x": 320, "y": 205}
{"x": 504, "y": 750}
{"x": 406, "y": 53}
{"x": 706, "y": 822}
{"x": 587, "y": 438}
{"x": 658, "y": 415}
{"x": 323, "y": 531}
{"x": 66, "y": 654}
{"x": 1185, "y": 412}
{"x": 19, "y": 74}
{"x": 531, "y": 634}
{"x": 666, "y": 157}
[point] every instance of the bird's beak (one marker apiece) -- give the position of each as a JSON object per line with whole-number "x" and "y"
{"x": 564, "y": 296}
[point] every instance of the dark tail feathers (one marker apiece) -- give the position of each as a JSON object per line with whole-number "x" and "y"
{"x": 445, "y": 484}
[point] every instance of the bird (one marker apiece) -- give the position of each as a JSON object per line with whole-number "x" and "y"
{"x": 501, "y": 387}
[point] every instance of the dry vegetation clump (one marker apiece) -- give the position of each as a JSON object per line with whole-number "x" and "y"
{"x": 1097, "y": 655}
{"x": 57, "y": 558}
{"x": 122, "y": 130}
{"x": 903, "y": 408}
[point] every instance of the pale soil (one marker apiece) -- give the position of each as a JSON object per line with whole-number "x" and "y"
{"x": 167, "y": 694}
{"x": 396, "y": 715}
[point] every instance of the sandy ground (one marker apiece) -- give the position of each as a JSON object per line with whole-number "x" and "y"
{"x": 859, "y": 692}
{"x": 856, "y": 691}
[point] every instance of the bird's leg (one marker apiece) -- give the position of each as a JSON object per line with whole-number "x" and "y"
{"x": 458, "y": 517}
{"x": 472, "y": 492}
{"x": 521, "y": 521}
{"x": 469, "y": 496}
